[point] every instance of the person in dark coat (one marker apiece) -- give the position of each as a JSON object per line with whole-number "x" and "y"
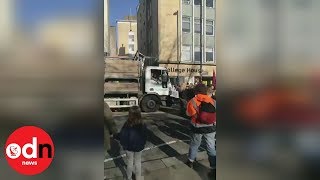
{"x": 133, "y": 140}
{"x": 110, "y": 127}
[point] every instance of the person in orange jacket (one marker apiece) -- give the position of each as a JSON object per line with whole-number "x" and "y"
{"x": 200, "y": 127}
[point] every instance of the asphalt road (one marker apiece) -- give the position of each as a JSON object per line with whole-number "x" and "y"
{"x": 167, "y": 146}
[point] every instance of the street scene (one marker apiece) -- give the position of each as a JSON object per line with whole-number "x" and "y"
{"x": 159, "y": 89}
{"x": 165, "y": 154}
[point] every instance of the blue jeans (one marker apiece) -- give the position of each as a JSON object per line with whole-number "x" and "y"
{"x": 210, "y": 147}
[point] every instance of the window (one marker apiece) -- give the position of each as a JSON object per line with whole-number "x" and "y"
{"x": 156, "y": 74}
{"x": 209, "y": 27}
{"x": 197, "y": 26}
{"x": 131, "y": 38}
{"x": 197, "y": 54}
{"x": 186, "y": 24}
{"x": 197, "y": 2}
{"x": 186, "y": 53}
{"x": 209, "y": 55}
{"x": 210, "y": 3}
{"x": 186, "y": 1}
{"x": 131, "y": 47}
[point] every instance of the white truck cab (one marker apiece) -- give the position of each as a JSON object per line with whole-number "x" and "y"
{"x": 131, "y": 82}
{"x": 156, "y": 80}
{"x": 157, "y": 88}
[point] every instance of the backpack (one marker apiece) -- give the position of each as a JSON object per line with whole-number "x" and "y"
{"x": 206, "y": 113}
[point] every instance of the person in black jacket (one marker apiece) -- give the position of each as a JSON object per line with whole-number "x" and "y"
{"x": 133, "y": 139}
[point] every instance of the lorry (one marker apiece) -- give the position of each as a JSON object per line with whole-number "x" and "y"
{"x": 137, "y": 81}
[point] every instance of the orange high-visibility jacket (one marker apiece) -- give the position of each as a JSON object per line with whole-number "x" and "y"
{"x": 191, "y": 111}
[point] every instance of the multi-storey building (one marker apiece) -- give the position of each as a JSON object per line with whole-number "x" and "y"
{"x": 170, "y": 31}
{"x": 127, "y": 36}
{"x": 113, "y": 41}
{"x": 106, "y": 28}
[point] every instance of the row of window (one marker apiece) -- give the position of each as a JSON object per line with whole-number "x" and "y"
{"x": 131, "y": 47}
{"x": 187, "y": 54}
{"x": 186, "y": 25}
{"x": 131, "y": 38}
{"x": 209, "y": 3}
{"x": 131, "y": 42}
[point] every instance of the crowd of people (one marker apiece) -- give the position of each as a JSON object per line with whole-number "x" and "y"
{"x": 186, "y": 90}
{"x": 200, "y": 108}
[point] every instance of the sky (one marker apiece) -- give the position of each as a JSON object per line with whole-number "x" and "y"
{"x": 30, "y": 12}
{"x": 121, "y": 8}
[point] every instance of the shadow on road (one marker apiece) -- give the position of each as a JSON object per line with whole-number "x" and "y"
{"x": 178, "y": 129}
{"x": 171, "y": 152}
{"x": 175, "y": 128}
{"x": 203, "y": 171}
{"x": 114, "y": 152}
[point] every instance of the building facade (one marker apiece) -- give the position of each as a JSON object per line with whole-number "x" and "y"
{"x": 113, "y": 41}
{"x": 127, "y": 36}
{"x": 170, "y": 31}
{"x": 106, "y": 28}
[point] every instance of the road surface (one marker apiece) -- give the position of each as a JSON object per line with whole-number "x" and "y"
{"x": 167, "y": 146}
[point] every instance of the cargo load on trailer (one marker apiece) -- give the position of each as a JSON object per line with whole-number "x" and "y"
{"x": 133, "y": 81}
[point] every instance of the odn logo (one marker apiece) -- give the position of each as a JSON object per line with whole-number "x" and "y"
{"x": 29, "y": 150}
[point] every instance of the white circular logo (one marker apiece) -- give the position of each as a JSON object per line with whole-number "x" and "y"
{"x": 13, "y": 151}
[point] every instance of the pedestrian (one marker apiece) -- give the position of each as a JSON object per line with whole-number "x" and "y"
{"x": 110, "y": 127}
{"x": 211, "y": 92}
{"x": 133, "y": 139}
{"x": 196, "y": 81}
{"x": 201, "y": 109}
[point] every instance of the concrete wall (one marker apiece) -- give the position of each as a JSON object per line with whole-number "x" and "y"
{"x": 106, "y": 26}
{"x": 113, "y": 41}
{"x": 123, "y": 28}
{"x": 155, "y": 28}
{"x": 165, "y": 42}
{"x": 188, "y": 69}
{"x": 161, "y": 35}
{"x": 141, "y": 27}
{"x": 169, "y": 40}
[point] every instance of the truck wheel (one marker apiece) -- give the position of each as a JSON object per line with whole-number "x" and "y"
{"x": 150, "y": 104}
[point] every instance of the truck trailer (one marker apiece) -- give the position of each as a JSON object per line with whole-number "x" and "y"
{"x": 137, "y": 81}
